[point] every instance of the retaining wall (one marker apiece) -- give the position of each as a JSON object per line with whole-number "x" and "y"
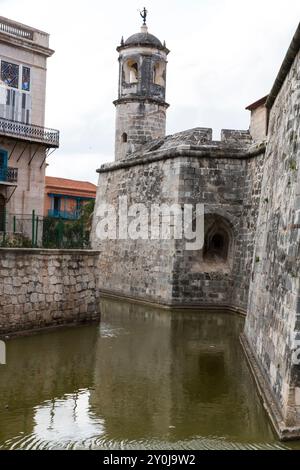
{"x": 42, "y": 288}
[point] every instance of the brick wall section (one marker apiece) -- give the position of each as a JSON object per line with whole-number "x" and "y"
{"x": 42, "y": 288}
{"x": 250, "y": 189}
{"x": 137, "y": 268}
{"x": 216, "y": 183}
{"x": 229, "y": 188}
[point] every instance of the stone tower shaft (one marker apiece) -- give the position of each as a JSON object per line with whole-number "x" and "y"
{"x": 141, "y": 106}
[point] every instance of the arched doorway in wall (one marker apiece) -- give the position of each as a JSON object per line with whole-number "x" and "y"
{"x": 217, "y": 253}
{"x": 216, "y": 246}
{"x": 2, "y": 213}
{"x": 218, "y": 242}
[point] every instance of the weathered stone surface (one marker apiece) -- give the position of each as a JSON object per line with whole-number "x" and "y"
{"x": 272, "y": 326}
{"x": 252, "y": 204}
{"x": 46, "y": 292}
{"x": 162, "y": 270}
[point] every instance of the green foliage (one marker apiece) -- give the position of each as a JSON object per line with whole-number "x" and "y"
{"x": 59, "y": 233}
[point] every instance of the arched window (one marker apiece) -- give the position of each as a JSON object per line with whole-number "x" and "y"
{"x": 130, "y": 71}
{"x": 159, "y": 73}
{"x": 124, "y": 137}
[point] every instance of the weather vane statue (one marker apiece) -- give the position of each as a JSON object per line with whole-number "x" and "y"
{"x": 144, "y": 14}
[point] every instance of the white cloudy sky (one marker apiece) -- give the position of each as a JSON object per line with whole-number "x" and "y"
{"x": 225, "y": 54}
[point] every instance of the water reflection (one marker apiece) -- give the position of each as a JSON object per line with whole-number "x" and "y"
{"x": 144, "y": 378}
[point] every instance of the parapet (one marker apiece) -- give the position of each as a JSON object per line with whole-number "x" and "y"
{"x": 230, "y": 136}
{"x": 23, "y": 36}
{"x": 196, "y": 137}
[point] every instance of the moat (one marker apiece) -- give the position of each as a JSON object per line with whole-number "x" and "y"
{"x": 142, "y": 379}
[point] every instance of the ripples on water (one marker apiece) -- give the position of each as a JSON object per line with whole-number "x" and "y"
{"x": 143, "y": 379}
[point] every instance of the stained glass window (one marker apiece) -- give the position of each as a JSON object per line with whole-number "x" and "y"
{"x": 26, "y": 79}
{"x": 10, "y": 74}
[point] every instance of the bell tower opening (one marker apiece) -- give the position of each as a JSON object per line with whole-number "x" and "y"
{"x": 159, "y": 74}
{"x": 130, "y": 71}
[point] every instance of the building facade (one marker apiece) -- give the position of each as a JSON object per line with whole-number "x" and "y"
{"x": 249, "y": 185}
{"x": 65, "y": 198}
{"x": 24, "y": 141}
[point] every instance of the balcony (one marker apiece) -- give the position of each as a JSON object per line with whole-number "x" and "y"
{"x": 57, "y": 214}
{"x": 8, "y": 175}
{"x": 29, "y": 133}
{"x": 15, "y": 29}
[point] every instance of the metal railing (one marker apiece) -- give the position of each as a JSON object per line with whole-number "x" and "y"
{"x": 30, "y": 132}
{"x": 9, "y": 175}
{"x": 57, "y": 214}
{"x": 32, "y": 230}
{"x": 15, "y": 30}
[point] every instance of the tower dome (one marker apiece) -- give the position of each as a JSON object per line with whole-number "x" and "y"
{"x": 143, "y": 39}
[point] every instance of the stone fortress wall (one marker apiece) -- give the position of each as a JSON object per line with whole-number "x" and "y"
{"x": 272, "y": 334}
{"x": 186, "y": 168}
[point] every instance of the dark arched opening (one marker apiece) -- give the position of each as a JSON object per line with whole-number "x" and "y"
{"x": 218, "y": 240}
{"x": 216, "y": 246}
{"x": 124, "y": 137}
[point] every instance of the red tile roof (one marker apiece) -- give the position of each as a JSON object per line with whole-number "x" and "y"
{"x": 69, "y": 187}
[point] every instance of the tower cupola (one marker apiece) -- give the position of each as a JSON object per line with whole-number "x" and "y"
{"x": 141, "y": 106}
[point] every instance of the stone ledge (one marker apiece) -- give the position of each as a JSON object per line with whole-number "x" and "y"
{"x": 142, "y": 99}
{"x": 266, "y": 394}
{"x": 215, "y": 150}
{"x": 49, "y": 252}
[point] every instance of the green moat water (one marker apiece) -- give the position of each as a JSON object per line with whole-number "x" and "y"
{"x": 142, "y": 379}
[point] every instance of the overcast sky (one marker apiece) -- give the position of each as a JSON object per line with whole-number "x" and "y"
{"x": 225, "y": 54}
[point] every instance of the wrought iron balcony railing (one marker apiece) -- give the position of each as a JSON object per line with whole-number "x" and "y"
{"x": 8, "y": 175}
{"x": 63, "y": 214}
{"x": 29, "y": 132}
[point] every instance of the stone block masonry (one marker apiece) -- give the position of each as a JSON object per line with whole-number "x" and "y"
{"x": 185, "y": 168}
{"x": 272, "y": 332}
{"x": 46, "y": 288}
